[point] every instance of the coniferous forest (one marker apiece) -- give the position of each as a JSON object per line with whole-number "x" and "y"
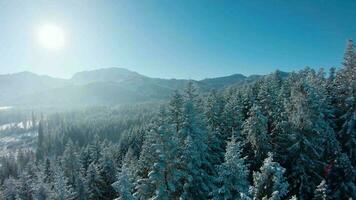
{"x": 283, "y": 136}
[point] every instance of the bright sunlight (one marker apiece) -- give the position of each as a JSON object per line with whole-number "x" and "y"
{"x": 51, "y": 36}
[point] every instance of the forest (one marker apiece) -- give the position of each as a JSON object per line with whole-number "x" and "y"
{"x": 279, "y": 137}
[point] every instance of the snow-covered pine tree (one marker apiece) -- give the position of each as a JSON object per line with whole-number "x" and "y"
{"x": 303, "y": 135}
{"x": 48, "y": 173}
{"x": 320, "y": 192}
{"x": 213, "y": 110}
{"x": 214, "y": 106}
{"x": 268, "y": 98}
{"x": 269, "y": 183}
{"x": 62, "y": 190}
{"x": 84, "y": 159}
{"x": 70, "y": 163}
{"x": 176, "y": 110}
{"x": 95, "y": 149}
{"x": 165, "y": 173}
{"x": 144, "y": 189}
{"x": 341, "y": 179}
{"x": 195, "y": 165}
{"x": 232, "y": 176}
{"x": 123, "y": 185}
{"x": 345, "y": 93}
{"x": 107, "y": 172}
{"x": 9, "y": 190}
{"x": 255, "y": 130}
{"x": 41, "y": 189}
{"x": 40, "y": 151}
{"x": 25, "y": 190}
{"x": 93, "y": 181}
{"x": 233, "y": 116}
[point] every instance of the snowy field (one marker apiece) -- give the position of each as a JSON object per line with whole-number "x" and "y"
{"x": 15, "y": 136}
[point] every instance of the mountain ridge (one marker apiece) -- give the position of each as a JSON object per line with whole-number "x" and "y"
{"x": 105, "y": 86}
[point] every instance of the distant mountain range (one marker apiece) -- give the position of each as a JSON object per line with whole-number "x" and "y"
{"x": 108, "y": 86}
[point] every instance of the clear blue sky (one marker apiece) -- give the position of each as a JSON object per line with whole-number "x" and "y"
{"x": 177, "y": 38}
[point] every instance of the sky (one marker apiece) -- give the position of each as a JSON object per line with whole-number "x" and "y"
{"x": 176, "y": 38}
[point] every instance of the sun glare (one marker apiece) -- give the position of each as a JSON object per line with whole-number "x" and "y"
{"x": 51, "y": 36}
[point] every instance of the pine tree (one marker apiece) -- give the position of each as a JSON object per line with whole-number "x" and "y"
{"x": 268, "y": 98}
{"x": 85, "y": 159}
{"x": 62, "y": 190}
{"x": 233, "y": 117}
{"x": 10, "y": 188}
{"x": 232, "y": 177}
{"x": 48, "y": 171}
{"x": 255, "y": 130}
{"x": 165, "y": 173}
{"x": 143, "y": 186}
{"x": 320, "y": 192}
{"x": 304, "y": 135}
{"x": 80, "y": 191}
{"x": 107, "y": 173}
{"x": 33, "y": 121}
{"x": 70, "y": 162}
{"x": 95, "y": 149}
{"x": 213, "y": 110}
{"x": 197, "y": 182}
{"x": 25, "y": 190}
{"x": 93, "y": 182}
{"x": 341, "y": 179}
{"x": 269, "y": 183}
{"x": 123, "y": 185}
{"x": 176, "y": 110}
{"x": 41, "y": 188}
{"x": 214, "y": 116}
{"x": 40, "y": 142}
{"x": 345, "y": 93}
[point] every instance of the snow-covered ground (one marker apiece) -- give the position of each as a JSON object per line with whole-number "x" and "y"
{"x": 27, "y": 124}
{"x": 15, "y": 136}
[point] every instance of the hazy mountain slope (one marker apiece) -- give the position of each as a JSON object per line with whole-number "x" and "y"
{"x": 14, "y": 86}
{"x": 104, "y": 75}
{"x": 221, "y": 82}
{"x": 109, "y": 86}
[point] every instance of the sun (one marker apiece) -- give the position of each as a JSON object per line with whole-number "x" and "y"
{"x": 51, "y": 36}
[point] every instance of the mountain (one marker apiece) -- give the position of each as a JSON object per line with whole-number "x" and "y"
{"x": 108, "y": 86}
{"x": 13, "y": 86}
{"x": 105, "y": 75}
